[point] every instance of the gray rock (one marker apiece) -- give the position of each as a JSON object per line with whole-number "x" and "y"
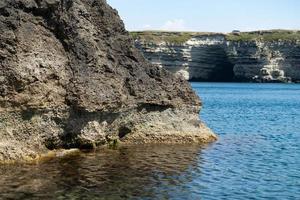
{"x": 71, "y": 78}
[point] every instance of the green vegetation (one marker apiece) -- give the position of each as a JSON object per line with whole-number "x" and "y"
{"x": 269, "y": 36}
{"x": 113, "y": 143}
{"x": 157, "y": 36}
{"x": 181, "y": 37}
{"x": 241, "y": 37}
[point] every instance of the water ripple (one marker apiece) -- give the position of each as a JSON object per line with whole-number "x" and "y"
{"x": 256, "y": 157}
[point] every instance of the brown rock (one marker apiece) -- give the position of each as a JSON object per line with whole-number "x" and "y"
{"x": 68, "y": 67}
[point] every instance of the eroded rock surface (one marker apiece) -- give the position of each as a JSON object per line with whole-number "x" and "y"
{"x": 71, "y": 78}
{"x": 216, "y": 57}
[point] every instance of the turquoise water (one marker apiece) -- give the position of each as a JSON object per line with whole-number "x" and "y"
{"x": 258, "y": 153}
{"x": 257, "y": 156}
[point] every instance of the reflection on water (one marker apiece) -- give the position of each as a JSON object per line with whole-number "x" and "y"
{"x": 257, "y": 156}
{"x": 147, "y": 172}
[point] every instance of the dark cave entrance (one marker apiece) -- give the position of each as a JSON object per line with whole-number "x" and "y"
{"x": 223, "y": 72}
{"x": 216, "y": 62}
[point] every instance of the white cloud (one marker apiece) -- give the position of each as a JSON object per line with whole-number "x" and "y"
{"x": 174, "y": 25}
{"x": 147, "y": 27}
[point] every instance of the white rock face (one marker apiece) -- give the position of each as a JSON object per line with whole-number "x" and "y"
{"x": 213, "y": 58}
{"x": 206, "y": 40}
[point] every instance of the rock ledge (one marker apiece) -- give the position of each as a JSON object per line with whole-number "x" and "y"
{"x": 71, "y": 78}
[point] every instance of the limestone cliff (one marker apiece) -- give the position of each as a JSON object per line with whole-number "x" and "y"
{"x": 71, "y": 78}
{"x": 264, "y": 56}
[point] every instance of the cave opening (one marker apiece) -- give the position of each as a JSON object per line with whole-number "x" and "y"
{"x": 213, "y": 65}
{"x": 223, "y": 71}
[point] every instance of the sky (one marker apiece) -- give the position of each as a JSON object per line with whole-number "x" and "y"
{"x": 208, "y": 15}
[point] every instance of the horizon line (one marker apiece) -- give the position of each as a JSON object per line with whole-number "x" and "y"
{"x": 194, "y": 31}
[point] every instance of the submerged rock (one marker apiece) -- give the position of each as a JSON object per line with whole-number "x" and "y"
{"x": 71, "y": 78}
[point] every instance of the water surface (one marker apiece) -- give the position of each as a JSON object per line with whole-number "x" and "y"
{"x": 257, "y": 156}
{"x": 258, "y": 153}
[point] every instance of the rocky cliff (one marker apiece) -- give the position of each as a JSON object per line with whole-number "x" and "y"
{"x": 71, "y": 78}
{"x": 262, "y": 56}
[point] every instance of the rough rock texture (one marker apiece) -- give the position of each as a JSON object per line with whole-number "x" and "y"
{"x": 212, "y": 57}
{"x": 71, "y": 78}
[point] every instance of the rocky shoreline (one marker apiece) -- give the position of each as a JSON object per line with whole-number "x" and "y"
{"x": 262, "y": 56}
{"x": 71, "y": 78}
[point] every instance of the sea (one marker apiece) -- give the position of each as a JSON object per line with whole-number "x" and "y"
{"x": 257, "y": 156}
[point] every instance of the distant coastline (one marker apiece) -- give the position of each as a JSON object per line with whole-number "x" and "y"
{"x": 258, "y": 56}
{"x": 179, "y": 37}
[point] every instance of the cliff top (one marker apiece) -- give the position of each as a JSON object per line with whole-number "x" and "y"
{"x": 182, "y": 37}
{"x": 269, "y": 36}
{"x": 165, "y": 36}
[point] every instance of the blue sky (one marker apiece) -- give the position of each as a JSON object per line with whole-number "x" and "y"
{"x": 208, "y": 15}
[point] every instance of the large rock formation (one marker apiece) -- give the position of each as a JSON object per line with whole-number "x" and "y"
{"x": 265, "y": 56}
{"x": 71, "y": 78}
